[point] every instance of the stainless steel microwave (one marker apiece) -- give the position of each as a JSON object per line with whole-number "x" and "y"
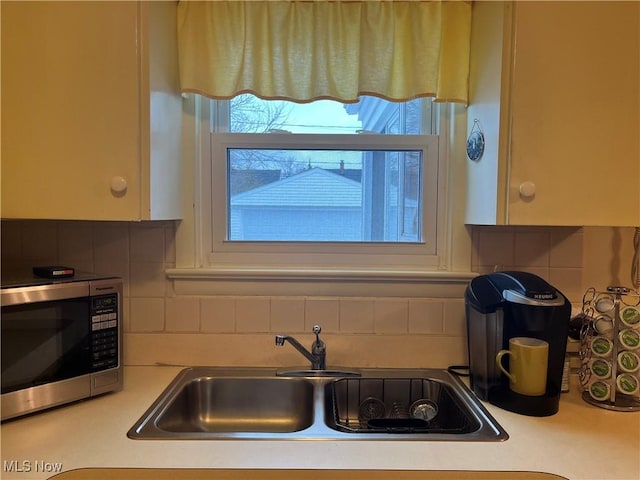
{"x": 61, "y": 341}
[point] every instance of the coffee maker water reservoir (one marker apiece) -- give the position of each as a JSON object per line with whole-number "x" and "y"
{"x": 503, "y": 305}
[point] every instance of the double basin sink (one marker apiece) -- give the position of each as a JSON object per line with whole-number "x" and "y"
{"x": 383, "y": 404}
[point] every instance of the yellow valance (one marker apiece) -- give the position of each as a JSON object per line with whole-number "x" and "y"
{"x": 308, "y": 50}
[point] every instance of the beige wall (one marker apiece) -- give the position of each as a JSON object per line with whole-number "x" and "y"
{"x": 164, "y": 328}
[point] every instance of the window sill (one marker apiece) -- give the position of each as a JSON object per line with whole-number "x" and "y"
{"x": 318, "y": 281}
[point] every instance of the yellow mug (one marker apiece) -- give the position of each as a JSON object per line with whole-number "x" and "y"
{"x": 528, "y": 365}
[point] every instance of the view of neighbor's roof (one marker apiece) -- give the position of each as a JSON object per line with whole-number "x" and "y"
{"x": 314, "y": 187}
{"x": 243, "y": 180}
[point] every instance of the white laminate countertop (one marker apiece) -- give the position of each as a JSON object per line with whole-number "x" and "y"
{"x": 579, "y": 442}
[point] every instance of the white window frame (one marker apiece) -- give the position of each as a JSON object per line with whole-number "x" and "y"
{"x": 308, "y": 254}
{"x": 206, "y": 264}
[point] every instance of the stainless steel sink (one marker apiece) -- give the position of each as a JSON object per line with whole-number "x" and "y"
{"x": 397, "y": 405}
{"x": 318, "y": 373}
{"x": 210, "y": 404}
{"x": 383, "y": 404}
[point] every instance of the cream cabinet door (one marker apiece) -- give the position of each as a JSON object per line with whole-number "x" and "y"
{"x": 565, "y": 125}
{"x": 74, "y": 111}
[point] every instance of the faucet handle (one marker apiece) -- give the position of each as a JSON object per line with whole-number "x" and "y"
{"x": 317, "y": 329}
{"x": 318, "y": 347}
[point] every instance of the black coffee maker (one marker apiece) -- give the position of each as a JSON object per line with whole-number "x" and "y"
{"x": 502, "y": 305}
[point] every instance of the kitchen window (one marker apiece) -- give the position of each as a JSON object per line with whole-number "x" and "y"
{"x": 359, "y": 193}
{"x": 429, "y": 249}
{"x": 361, "y": 198}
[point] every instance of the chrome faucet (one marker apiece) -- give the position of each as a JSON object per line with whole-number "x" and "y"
{"x": 318, "y": 353}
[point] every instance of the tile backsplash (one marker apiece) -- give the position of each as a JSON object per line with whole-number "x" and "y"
{"x": 162, "y": 327}
{"x": 553, "y": 253}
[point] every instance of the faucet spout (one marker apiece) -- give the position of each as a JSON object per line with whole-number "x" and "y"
{"x": 317, "y": 356}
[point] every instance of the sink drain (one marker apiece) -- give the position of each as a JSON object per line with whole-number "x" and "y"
{"x": 371, "y": 408}
{"x": 423, "y": 409}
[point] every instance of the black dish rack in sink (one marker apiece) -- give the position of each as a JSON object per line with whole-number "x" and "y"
{"x": 398, "y": 405}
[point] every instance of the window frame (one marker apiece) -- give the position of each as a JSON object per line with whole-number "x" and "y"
{"x": 217, "y": 251}
{"x": 315, "y": 254}
{"x": 191, "y": 275}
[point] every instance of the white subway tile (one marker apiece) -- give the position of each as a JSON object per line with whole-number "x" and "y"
{"x": 147, "y": 243}
{"x": 496, "y": 248}
{"x": 75, "y": 245}
{"x": 252, "y": 314}
{"x": 566, "y": 248}
{"x": 147, "y": 314}
{"x": 391, "y": 315}
{"x": 322, "y": 311}
{"x": 287, "y": 315}
{"x": 11, "y": 241}
{"x": 425, "y": 316}
{"x": 356, "y": 315}
{"x": 40, "y": 241}
{"x": 454, "y": 317}
{"x": 532, "y": 249}
{"x": 148, "y": 279}
{"x": 111, "y": 243}
{"x": 125, "y": 319}
{"x": 217, "y": 314}
{"x": 182, "y": 314}
{"x": 170, "y": 243}
{"x": 569, "y": 282}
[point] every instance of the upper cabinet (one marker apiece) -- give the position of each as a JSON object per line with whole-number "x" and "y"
{"x": 90, "y": 111}
{"x": 555, "y": 89}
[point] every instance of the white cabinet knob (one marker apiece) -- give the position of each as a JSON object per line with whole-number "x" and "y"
{"x": 118, "y": 185}
{"x": 527, "y": 190}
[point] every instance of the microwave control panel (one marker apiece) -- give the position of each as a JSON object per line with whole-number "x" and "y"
{"x": 104, "y": 331}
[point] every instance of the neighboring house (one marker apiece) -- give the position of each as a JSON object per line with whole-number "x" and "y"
{"x": 298, "y": 207}
{"x": 350, "y": 173}
{"x": 243, "y": 180}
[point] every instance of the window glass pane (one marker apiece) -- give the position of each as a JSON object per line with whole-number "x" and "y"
{"x": 324, "y": 195}
{"x": 250, "y": 114}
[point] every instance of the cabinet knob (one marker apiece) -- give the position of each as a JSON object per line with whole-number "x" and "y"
{"x": 118, "y": 186}
{"x": 527, "y": 190}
